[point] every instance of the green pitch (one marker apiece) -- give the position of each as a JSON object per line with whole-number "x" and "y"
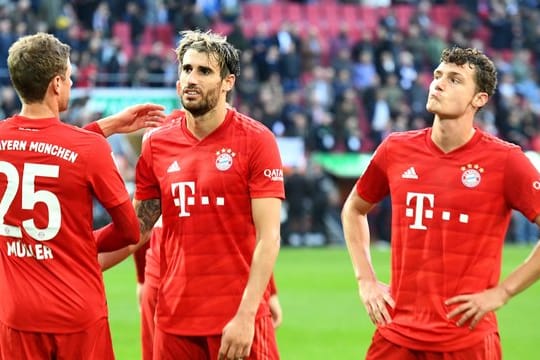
{"x": 323, "y": 315}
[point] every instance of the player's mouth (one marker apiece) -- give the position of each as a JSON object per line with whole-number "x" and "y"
{"x": 190, "y": 94}
{"x": 435, "y": 95}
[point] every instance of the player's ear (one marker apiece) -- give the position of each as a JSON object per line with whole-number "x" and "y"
{"x": 228, "y": 82}
{"x": 55, "y": 83}
{"x": 480, "y": 99}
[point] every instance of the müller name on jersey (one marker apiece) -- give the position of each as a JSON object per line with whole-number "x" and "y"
{"x": 40, "y": 147}
{"x": 20, "y": 249}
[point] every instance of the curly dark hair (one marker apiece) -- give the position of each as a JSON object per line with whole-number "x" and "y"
{"x": 485, "y": 74}
{"x": 214, "y": 45}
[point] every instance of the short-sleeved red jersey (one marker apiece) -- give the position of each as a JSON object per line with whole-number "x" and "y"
{"x": 450, "y": 213}
{"x": 50, "y": 280}
{"x": 208, "y": 239}
{"x": 151, "y": 263}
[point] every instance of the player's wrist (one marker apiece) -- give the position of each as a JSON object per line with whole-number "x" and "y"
{"x": 361, "y": 278}
{"x": 507, "y": 292}
{"x": 107, "y": 125}
{"x": 246, "y": 313}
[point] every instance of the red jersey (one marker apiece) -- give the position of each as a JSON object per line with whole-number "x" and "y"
{"x": 50, "y": 280}
{"x": 450, "y": 213}
{"x": 208, "y": 239}
{"x": 151, "y": 260}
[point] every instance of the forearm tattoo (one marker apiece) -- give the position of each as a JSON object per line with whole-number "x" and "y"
{"x": 148, "y": 211}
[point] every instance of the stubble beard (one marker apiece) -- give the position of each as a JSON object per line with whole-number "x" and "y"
{"x": 200, "y": 107}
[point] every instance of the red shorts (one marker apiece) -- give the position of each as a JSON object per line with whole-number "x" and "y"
{"x": 92, "y": 343}
{"x": 148, "y": 308}
{"x": 382, "y": 349}
{"x": 172, "y": 347}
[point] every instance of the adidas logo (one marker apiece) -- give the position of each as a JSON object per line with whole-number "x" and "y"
{"x": 174, "y": 167}
{"x": 410, "y": 173}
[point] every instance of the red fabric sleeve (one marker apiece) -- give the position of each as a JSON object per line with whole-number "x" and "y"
{"x": 140, "y": 261}
{"x": 121, "y": 232}
{"x": 272, "y": 286}
{"x": 94, "y": 127}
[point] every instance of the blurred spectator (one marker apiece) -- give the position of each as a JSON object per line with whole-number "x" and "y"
{"x": 311, "y": 49}
{"x": 236, "y": 37}
{"x": 434, "y": 45}
{"x": 9, "y": 102}
{"x": 134, "y": 16}
{"x": 501, "y": 28}
{"x": 523, "y": 231}
{"x": 364, "y": 74}
{"x": 154, "y": 65}
{"x": 101, "y": 20}
{"x": 323, "y": 136}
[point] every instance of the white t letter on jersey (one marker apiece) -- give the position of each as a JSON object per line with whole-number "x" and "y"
{"x": 418, "y": 213}
{"x": 179, "y": 194}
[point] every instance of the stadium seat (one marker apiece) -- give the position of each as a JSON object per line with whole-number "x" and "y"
{"x": 252, "y": 15}
{"x": 403, "y": 14}
{"x": 370, "y": 16}
{"x": 164, "y": 33}
{"x": 329, "y": 18}
{"x": 222, "y": 27}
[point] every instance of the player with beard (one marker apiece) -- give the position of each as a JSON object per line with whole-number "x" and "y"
{"x": 215, "y": 176}
{"x": 147, "y": 264}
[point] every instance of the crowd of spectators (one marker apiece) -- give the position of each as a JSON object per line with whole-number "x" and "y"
{"x": 339, "y": 89}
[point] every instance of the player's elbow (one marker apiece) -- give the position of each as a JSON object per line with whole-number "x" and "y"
{"x": 131, "y": 235}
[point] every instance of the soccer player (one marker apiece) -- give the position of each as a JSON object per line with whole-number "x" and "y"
{"x": 452, "y": 188}
{"x": 216, "y": 178}
{"x": 53, "y": 301}
{"x": 147, "y": 263}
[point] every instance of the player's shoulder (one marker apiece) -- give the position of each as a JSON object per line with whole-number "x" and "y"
{"x": 248, "y": 124}
{"x": 75, "y": 133}
{"x": 492, "y": 142}
{"x": 407, "y": 136}
{"x": 172, "y": 120}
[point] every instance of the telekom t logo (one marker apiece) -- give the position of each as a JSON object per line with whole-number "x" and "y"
{"x": 183, "y": 194}
{"x": 424, "y": 210}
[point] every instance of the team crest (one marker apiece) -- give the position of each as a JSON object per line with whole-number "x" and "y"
{"x": 224, "y": 159}
{"x": 471, "y": 176}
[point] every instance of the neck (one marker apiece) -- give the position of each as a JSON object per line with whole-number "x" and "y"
{"x": 449, "y": 135}
{"x": 204, "y": 125}
{"x": 39, "y": 111}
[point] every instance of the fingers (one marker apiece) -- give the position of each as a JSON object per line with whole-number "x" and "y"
{"x": 471, "y": 311}
{"x": 378, "y": 313}
{"x": 149, "y": 107}
{"x": 476, "y": 314}
{"x": 457, "y": 299}
{"x": 233, "y": 347}
{"x": 152, "y": 123}
{"x": 233, "y": 353}
{"x": 389, "y": 300}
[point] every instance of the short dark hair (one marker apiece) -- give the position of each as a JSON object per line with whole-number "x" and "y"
{"x": 33, "y": 61}
{"x": 214, "y": 45}
{"x": 485, "y": 70}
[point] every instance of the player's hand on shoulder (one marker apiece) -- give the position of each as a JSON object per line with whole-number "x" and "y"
{"x": 133, "y": 118}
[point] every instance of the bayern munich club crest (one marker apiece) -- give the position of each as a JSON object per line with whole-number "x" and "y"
{"x": 224, "y": 159}
{"x": 471, "y": 176}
